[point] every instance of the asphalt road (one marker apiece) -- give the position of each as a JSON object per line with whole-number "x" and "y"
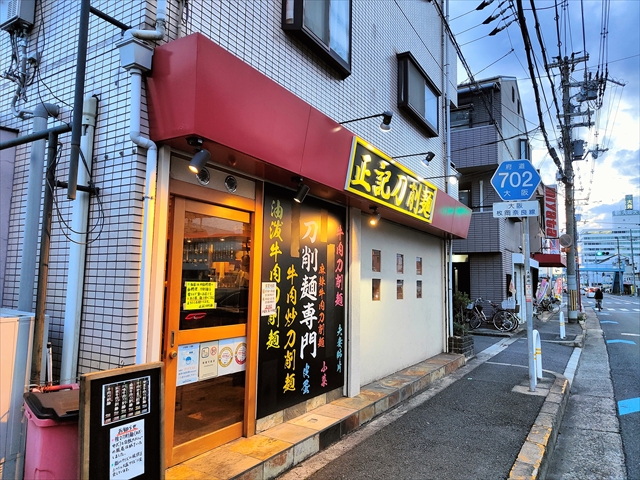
{"x": 620, "y": 322}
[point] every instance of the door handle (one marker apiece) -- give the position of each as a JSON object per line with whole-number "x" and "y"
{"x": 173, "y": 354}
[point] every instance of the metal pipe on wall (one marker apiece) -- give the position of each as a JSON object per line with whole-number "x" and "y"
{"x": 78, "y": 250}
{"x": 41, "y": 115}
{"x": 43, "y": 268}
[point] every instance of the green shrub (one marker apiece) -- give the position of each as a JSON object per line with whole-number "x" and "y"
{"x": 460, "y": 302}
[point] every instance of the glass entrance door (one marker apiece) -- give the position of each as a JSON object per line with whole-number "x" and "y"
{"x": 206, "y": 327}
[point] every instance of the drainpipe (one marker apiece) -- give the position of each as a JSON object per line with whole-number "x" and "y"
{"x": 32, "y": 216}
{"x": 445, "y": 49}
{"x": 135, "y": 57}
{"x": 149, "y": 213}
{"x": 78, "y": 249}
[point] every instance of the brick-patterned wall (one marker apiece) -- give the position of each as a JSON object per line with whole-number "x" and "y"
{"x": 250, "y": 30}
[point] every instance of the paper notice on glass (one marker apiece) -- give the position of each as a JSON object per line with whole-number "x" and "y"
{"x": 126, "y": 451}
{"x": 187, "y": 364}
{"x": 268, "y": 299}
{"x": 208, "y": 360}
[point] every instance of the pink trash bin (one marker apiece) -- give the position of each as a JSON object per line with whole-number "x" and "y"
{"x": 52, "y": 434}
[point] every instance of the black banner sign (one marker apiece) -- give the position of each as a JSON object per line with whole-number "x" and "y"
{"x": 301, "y": 352}
{"x": 381, "y": 179}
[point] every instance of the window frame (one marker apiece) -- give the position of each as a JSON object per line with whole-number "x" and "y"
{"x": 404, "y": 95}
{"x": 293, "y": 22}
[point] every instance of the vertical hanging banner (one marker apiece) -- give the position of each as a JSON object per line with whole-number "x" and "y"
{"x": 550, "y": 211}
{"x": 301, "y": 352}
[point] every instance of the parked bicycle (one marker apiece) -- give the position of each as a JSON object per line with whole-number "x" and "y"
{"x": 501, "y": 318}
{"x": 547, "y": 304}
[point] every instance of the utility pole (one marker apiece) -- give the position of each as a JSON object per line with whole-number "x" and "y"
{"x": 567, "y": 145}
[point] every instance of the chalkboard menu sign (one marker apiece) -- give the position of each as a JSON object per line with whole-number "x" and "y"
{"x": 121, "y": 423}
{"x": 301, "y": 352}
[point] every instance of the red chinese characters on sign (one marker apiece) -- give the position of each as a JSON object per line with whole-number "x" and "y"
{"x": 550, "y": 212}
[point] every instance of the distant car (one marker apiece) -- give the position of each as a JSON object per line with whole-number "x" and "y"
{"x": 591, "y": 293}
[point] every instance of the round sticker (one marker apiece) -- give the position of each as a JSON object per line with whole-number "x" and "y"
{"x": 226, "y": 357}
{"x": 241, "y": 353}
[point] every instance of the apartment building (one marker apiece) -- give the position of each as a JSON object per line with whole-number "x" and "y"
{"x": 263, "y": 184}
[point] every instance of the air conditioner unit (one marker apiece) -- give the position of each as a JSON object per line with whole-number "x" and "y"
{"x": 17, "y": 14}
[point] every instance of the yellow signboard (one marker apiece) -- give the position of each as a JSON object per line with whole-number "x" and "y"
{"x": 380, "y": 178}
{"x": 199, "y": 295}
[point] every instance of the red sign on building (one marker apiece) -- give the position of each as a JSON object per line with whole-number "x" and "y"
{"x": 550, "y": 211}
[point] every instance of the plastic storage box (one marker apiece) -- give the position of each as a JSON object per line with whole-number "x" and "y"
{"x": 52, "y": 434}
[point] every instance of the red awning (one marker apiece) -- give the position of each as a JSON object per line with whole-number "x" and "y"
{"x": 550, "y": 260}
{"x": 255, "y": 125}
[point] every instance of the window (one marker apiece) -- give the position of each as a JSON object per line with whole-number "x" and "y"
{"x": 400, "y": 263}
{"x": 524, "y": 150}
{"x": 375, "y": 260}
{"x": 417, "y": 95}
{"x": 418, "y": 288}
{"x": 418, "y": 265}
{"x": 324, "y": 26}
{"x": 461, "y": 118}
{"x": 375, "y": 289}
{"x": 464, "y": 195}
{"x": 400, "y": 290}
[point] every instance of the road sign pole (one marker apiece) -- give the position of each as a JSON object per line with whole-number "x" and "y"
{"x": 529, "y": 306}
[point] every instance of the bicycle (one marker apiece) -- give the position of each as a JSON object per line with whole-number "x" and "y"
{"x": 549, "y": 304}
{"x": 502, "y": 319}
{"x": 599, "y": 304}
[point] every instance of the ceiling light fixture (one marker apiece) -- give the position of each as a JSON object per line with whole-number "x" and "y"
{"x": 302, "y": 191}
{"x": 199, "y": 160}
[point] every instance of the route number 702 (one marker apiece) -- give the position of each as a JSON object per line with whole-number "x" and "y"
{"x": 516, "y": 179}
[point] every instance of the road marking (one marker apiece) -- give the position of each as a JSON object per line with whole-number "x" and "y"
{"x": 621, "y": 341}
{"x": 608, "y": 321}
{"x": 631, "y": 334}
{"x": 631, "y": 405}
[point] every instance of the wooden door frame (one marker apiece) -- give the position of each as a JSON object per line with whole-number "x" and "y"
{"x": 182, "y": 193}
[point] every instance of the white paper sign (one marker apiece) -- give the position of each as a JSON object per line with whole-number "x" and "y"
{"x": 516, "y": 209}
{"x": 126, "y": 451}
{"x": 208, "y": 360}
{"x": 187, "y": 364}
{"x": 269, "y": 299}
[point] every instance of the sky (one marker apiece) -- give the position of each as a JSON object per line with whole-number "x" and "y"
{"x": 612, "y": 40}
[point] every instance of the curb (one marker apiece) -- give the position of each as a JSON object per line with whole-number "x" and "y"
{"x": 532, "y": 461}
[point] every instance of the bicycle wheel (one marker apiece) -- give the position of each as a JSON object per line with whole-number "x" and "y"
{"x": 515, "y": 321}
{"x": 502, "y": 321}
{"x": 475, "y": 321}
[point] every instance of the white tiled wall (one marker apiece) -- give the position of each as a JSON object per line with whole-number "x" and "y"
{"x": 250, "y": 29}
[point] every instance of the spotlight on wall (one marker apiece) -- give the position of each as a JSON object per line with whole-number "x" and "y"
{"x": 199, "y": 160}
{"x": 302, "y": 191}
{"x": 385, "y": 126}
{"x": 429, "y": 156}
{"x": 375, "y": 216}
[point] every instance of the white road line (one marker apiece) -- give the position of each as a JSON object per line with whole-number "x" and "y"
{"x": 630, "y": 334}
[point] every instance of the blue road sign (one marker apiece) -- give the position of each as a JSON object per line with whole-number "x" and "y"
{"x": 515, "y": 180}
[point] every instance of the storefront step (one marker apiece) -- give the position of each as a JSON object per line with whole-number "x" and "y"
{"x": 277, "y": 449}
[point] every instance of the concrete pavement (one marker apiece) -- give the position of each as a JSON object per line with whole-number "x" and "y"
{"x": 589, "y": 444}
{"x": 438, "y": 419}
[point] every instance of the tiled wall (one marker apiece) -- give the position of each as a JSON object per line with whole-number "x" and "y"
{"x": 250, "y": 30}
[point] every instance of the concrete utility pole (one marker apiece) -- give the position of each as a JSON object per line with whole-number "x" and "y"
{"x": 567, "y": 145}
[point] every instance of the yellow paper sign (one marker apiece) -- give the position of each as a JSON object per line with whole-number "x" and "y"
{"x": 199, "y": 295}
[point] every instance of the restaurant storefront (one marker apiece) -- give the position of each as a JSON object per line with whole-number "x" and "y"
{"x": 263, "y": 318}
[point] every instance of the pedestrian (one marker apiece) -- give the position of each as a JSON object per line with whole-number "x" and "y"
{"x": 599, "y": 296}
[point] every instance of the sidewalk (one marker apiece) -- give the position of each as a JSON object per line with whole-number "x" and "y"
{"x": 459, "y": 405}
